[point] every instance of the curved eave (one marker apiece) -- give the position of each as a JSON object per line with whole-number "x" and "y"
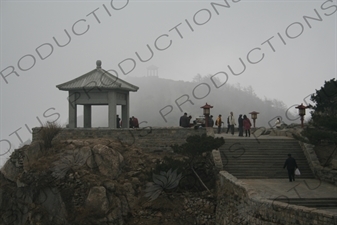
{"x": 101, "y": 88}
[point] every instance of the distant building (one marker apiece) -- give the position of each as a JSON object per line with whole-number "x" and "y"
{"x": 152, "y": 71}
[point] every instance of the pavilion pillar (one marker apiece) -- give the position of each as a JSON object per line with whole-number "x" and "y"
{"x": 87, "y": 116}
{"x": 72, "y": 110}
{"x": 112, "y": 98}
{"x": 126, "y": 111}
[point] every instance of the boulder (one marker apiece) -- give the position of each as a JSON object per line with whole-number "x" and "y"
{"x": 11, "y": 171}
{"x": 32, "y": 153}
{"x": 109, "y": 185}
{"x": 51, "y": 201}
{"x": 334, "y": 164}
{"x": 108, "y": 161}
{"x": 130, "y": 194}
{"x": 97, "y": 201}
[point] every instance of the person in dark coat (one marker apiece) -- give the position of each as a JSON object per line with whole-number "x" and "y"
{"x": 184, "y": 121}
{"x": 210, "y": 121}
{"x": 118, "y": 121}
{"x": 130, "y": 123}
{"x": 228, "y": 125}
{"x": 291, "y": 165}
{"x": 240, "y": 120}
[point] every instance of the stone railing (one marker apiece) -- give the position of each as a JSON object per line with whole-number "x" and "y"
{"x": 237, "y": 203}
{"x": 148, "y": 138}
{"x": 323, "y": 173}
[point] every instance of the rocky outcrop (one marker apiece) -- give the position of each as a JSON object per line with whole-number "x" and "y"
{"x": 90, "y": 181}
{"x": 71, "y": 183}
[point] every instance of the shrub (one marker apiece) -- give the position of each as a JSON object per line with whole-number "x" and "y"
{"x": 167, "y": 163}
{"x": 48, "y": 132}
{"x": 318, "y": 136}
{"x": 161, "y": 182}
{"x": 196, "y": 145}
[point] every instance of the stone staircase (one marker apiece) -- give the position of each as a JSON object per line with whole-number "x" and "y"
{"x": 249, "y": 158}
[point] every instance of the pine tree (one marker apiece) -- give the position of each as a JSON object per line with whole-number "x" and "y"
{"x": 324, "y": 114}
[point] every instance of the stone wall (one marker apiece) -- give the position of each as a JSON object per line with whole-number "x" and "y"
{"x": 323, "y": 173}
{"x": 237, "y": 203}
{"x": 148, "y": 138}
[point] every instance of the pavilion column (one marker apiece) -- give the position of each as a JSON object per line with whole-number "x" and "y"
{"x": 112, "y": 99}
{"x": 72, "y": 110}
{"x": 126, "y": 111}
{"x": 87, "y": 116}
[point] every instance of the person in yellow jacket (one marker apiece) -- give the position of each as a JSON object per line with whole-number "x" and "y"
{"x": 218, "y": 123}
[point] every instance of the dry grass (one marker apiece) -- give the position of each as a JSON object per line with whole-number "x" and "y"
{"x": 48, "y": 132}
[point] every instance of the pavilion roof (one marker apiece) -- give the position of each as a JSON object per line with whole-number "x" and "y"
{"x": 97, "y": 78}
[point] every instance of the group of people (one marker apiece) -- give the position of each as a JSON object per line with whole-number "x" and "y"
{"x": 243, "y": 121}
{"x": 244, "y": 124}
{"x": 185, "y": 121}
{"x": 133, "y": 122}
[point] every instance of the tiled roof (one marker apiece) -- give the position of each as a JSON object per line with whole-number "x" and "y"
{"x": 97, "y": 78}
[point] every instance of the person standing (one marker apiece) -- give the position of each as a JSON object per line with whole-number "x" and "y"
{"x": 247, "y": 125}
{"x": 232, "y": 122}
{"x": 184, "y": 120}
{"x": 291, "y": 165}
{"x": 278, "y": 123}
{"x": 218, "y": 123}
{"x": 135, "y": 122}
{"x": 130, "y": 123}
{"x": 240, "y": 120}
{"x": 189, "y": 124}
{"x": 228, "y": 125}
{"x": 210, "y": 121}
{"x": 118, "y": 121}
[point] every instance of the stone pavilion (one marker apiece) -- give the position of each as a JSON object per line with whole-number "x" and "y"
{"x": 98, "y": 87}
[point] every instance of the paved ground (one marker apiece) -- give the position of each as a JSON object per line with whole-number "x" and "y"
{"x": 301, "y": 188}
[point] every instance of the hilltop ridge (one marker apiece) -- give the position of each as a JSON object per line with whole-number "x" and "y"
{"x": 161, "y": 102}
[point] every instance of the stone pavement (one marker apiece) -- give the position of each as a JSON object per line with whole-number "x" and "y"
{"x": 301, "y": 189}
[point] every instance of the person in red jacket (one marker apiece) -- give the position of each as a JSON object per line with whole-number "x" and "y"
{"x": 246, "y": 125}
{"x": 135, "y": 123}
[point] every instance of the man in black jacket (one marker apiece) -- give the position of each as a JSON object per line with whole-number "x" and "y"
{"x": 291, "y": 165}
{"x": 184, "y": 121}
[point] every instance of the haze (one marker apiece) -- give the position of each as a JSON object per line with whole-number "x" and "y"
{"x": 288, "y": 49}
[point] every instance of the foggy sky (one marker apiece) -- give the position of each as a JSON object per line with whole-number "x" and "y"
{"x": 286, "y": 54}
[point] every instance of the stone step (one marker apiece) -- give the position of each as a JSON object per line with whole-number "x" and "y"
{"x": 247, "y": 158}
